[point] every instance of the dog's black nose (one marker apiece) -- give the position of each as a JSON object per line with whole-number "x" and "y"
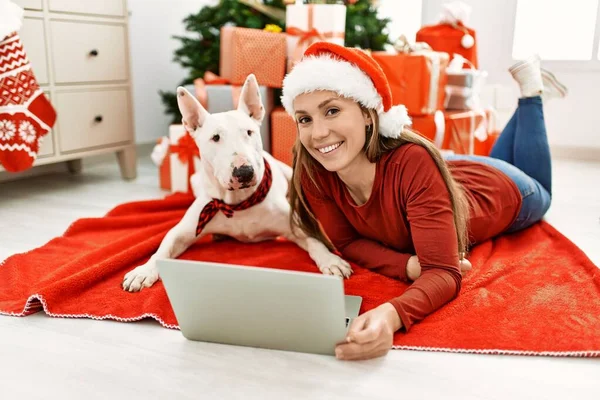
{"x": 243, "y": 174}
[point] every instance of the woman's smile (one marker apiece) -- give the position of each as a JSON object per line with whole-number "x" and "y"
{"x": 326, "y": 150}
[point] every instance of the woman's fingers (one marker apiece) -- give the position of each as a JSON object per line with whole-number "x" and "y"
{"x": 357, "y": 324}
{"x": 355, "y": 351}
{"x": 365, "y": 335}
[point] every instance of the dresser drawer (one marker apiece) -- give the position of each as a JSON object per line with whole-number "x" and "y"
{"x": 86, "y": 52}
{"x": 29, "y": 4}
{"x": 33, "y": 38}
{"x": 93, "y": 118}
{"x": 99, "y": 7}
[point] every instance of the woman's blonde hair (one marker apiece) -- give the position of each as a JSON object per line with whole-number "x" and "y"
{"x": 376, "y": 146}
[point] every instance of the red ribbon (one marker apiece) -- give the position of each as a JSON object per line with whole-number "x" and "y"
{"x": 186, "y": 150}
{"x": 216, "y": 205}
{"x": 309, "y": 36}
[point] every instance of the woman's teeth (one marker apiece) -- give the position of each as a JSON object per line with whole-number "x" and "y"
{"x": 331, "y": 148}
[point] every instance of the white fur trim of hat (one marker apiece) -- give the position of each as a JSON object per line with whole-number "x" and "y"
{"x": 325, "y": 72}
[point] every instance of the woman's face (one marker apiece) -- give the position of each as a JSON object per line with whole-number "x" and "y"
{"x": 332, "y": 128}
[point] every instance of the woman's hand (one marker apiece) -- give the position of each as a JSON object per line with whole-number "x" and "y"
{"x": 370, "y": 335}
{"x": 413, "y": 268}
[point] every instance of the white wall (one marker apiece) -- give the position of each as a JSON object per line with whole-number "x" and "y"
{"x": 152, "y": 24}
{"x": 571, "y": 122}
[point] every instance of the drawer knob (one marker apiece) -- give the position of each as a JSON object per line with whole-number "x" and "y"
{"x": 94, "y": 53}
{"x": 98, "y": 118}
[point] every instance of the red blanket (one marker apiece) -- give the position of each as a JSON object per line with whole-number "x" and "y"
{"x": 533, "y": 292}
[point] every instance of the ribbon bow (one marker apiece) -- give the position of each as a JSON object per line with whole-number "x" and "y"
{"x": 307, "y": 37}
{"x": 186, "y": 150}
{"x": 216, "y": 205}
{"x": 403, "y": 45}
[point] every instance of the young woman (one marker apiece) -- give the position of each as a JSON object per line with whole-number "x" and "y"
{"x": 386, "y": 199}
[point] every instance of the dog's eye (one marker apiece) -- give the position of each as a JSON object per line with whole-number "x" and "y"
{"x": 215, "y": 138}
{"x": 250, "y": 132}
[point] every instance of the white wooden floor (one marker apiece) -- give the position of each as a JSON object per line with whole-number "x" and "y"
{"x": 43, "y": 357}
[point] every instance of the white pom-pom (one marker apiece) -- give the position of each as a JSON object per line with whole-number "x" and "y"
{"x": 160, "y": 151}
{"x": 11, "y": 18}
{"x": 392, "y": 123}
{"x": 467, "y": 41}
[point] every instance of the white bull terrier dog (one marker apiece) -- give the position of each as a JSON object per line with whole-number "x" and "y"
{"x": 240, "y": 189}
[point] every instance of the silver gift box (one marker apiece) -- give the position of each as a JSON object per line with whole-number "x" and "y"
{"x": 220, "y": 100}
{"x": 463, "y": 89}
{"x": 463, "y": 80}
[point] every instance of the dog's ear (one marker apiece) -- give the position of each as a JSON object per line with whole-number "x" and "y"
{"x": 250, "y": 102}
{"x": 191, "y": 110}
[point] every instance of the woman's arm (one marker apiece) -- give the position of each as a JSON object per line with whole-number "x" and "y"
{"x": 431, "y": 218}
{"x": 364, "y": 252}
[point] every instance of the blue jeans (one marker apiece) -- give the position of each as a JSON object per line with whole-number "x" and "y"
{"x": 523, "y": 154}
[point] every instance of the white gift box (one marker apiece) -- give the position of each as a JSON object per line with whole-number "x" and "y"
{"x": 308, "y": 23}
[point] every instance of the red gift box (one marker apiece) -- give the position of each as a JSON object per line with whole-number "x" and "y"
{"x": 160, "y": 156}
{"x": 430, "y": 126}
{"x": 283, "y": 135}
{"x": 417, "y": 80}
{"x": 450, "y": 39}
{"x": 246, "y": 51}
{"x": 461, "y": 132}
{"x": 470, "y": 132}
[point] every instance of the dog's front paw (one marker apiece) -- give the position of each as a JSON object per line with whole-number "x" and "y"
{"x": 331, "y": 264}
{"x": 140, "y": 277}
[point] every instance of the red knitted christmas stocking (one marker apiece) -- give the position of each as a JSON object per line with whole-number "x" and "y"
{"x": 26, "y": 115}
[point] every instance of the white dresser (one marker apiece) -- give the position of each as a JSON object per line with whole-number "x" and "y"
{"x": 79, "y": 51}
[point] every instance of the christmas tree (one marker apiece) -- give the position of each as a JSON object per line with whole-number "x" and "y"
{"x": 199, "y": 50}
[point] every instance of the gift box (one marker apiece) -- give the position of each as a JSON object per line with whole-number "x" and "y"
{"x": 432, "y": 127}
{"x": 459, "y": 132}
{"x": 159, "y": 156}
{"x": 451, "y": 34}
{"x": 247, "y": 51}
{"x": 470, "y": 132}
{"x": 484, "y": 148}
{"x": 417, "y": 79}
{"x": 184, "y": 158}
{"x": 309, "y": 23}
{"x": 216, "y": 95}
{"x": 283, "y": 135}
{"x": 447, "y": 38}
{"x": 463, "y": 88}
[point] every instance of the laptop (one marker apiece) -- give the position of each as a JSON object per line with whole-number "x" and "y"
{"x": 258, "y": 307}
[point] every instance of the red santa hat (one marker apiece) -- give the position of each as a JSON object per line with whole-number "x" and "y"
{"x": 351, "y": 73}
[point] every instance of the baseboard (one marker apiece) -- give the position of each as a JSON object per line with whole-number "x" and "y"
{"x": 143, "y": 150}
{"x": 576, "y": 153}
